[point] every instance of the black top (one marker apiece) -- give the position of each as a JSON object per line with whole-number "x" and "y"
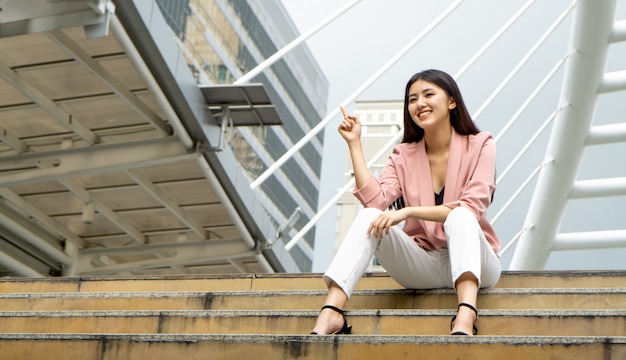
{"x": 439, "y": 197}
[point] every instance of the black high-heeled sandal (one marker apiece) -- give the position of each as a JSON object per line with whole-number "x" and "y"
{"x": 454, "y": 318}
{"x": 345, "y": 329}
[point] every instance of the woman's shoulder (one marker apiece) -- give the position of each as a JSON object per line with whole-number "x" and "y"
{"x": 403, "y": 152}
{"x": 407, "y": 147}
{"x": 480, "y": 139}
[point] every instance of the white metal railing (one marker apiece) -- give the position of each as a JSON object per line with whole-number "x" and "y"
{"x": 394, "y": 140}
{"x": 531, "y": 98}
{"x": 322, "y": 124}
{"x": 593, "y": 26}
{"x": 524, "y": 60}
{"x": 515, "y": 195}
{"x": 497, "y": 35}
{"x": 529, "y": 143}
{"x": 606, "y": 134}
{"x": 615, "y": 81}
{"x": 295, "y": 42}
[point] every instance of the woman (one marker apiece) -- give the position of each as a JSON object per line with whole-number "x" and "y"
{"x": 440, "y": 181}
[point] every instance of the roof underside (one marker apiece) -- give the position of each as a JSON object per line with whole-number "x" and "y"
{"x": 94, "y": 178}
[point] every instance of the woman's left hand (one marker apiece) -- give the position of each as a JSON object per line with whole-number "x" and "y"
{"x": 380, "y": 226}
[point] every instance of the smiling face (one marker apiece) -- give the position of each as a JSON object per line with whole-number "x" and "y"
{"x": 429, "y": 105}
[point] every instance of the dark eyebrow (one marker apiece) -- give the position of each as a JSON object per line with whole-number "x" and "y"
{"x": 423, "y": 91}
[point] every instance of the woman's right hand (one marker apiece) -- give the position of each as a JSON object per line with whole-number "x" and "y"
{"x": 350, "y": 127}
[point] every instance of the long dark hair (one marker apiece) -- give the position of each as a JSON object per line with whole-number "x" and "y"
{"x": 460, "y": 118}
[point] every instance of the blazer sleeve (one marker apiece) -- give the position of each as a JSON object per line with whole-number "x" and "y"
{"x": 380, "y": 193}
{"x": 477, "y": 192}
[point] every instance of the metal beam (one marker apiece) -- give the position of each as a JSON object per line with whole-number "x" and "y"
{"x": 27, "y": 17}
{"x": 591, "y": 240}
{"x": 183, "y": 254}
{"x": 599, "y": 187}
{"x": 133, "y": 55}
{"x": 160, "y": 196}
{"x": 12, "y": 141}
{"x": 613, "y": 81}
{"x": 619, "y": 31}
{"x": 42, "y": 218}
{"x": 47, "y": 104}
{"x": 27, "y": 255}
{"x": 91, "y": 160}
{"x": 32, "y": 235}
{"x": 17, "y": 266}
{"x": 591, "y": 30}
{"x": 606, "y": 134}
{"x": 226, "y": 202}
{"x": 113, "y": 83}
{"x": 100, "y": 206}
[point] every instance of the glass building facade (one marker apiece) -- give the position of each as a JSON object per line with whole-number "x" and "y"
{"x": 224, "y": 39}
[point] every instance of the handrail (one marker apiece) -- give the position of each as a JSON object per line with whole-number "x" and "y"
{"x": 512, "y": 242}
{"x": 532, "y": 96}
{"x": 517, "y": 193}
{"x": 295, "y": 42}
{"x": 524, "y": 60}
{"x": 339, "y": 194}
{"x": 527, "y": 146}
{"x": 397, "y": 136}
{"x": 493, "y": 39}
{"x": 322, "y": 124}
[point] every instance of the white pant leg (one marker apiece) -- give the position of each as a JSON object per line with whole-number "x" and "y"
{"x": 410, "y": 265}
{"x": 469, "y": 250}
{"x": 407, "y": 263}
{"x": 354, "y": 254}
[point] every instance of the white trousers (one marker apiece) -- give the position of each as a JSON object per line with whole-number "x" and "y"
{"x": 410, "y": 265}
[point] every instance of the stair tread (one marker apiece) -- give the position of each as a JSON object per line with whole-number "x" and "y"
{"x": 253, "y": 293}
{"x": 256, "y": 338}
{"x": 529, "y": 298}
{"x": 263, "y": 346}
{"x": 539, "y": 314}
{"x": 314, "y": 313}
{"x": 304, "y": 281}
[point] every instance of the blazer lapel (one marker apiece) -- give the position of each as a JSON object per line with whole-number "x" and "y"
{"x": 425, "y": 184}
{"x": 457, "y": 143}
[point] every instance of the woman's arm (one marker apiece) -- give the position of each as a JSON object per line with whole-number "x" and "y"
{"x": 475, "y": 196}
{"x": 384, "y": 221}
{"x": 438, "y": 213}
{"x": 350, "y": 130}
{"x": 478, "y": 191}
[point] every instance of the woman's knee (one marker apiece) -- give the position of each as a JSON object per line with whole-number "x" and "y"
{"x": 367, "y": 215}
{"x": 460, "y": 213}
{"x": 369, "y": 212}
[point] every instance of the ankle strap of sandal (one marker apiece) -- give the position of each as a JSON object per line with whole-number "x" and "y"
{"x": 333, "y": 308}
{"x": 469, "y": 306}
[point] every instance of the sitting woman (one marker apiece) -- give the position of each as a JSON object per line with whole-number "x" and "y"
{"x": 440, "y": 181}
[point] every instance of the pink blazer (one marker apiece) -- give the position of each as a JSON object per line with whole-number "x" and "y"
{"x": 470, "y": 182}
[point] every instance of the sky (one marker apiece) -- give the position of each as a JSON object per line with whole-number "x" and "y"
{"x": 354, "y": 46}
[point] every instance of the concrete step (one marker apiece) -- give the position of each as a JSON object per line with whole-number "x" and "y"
{"x": 258, "y": 282}
{"x": 364, "y": 322}
{"x": 530, "y": 298}
{"x": 528, "y": 315}
{"x": 345, "y": 347}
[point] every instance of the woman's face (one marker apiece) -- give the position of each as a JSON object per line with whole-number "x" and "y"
{"x": 429, "y": 105}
